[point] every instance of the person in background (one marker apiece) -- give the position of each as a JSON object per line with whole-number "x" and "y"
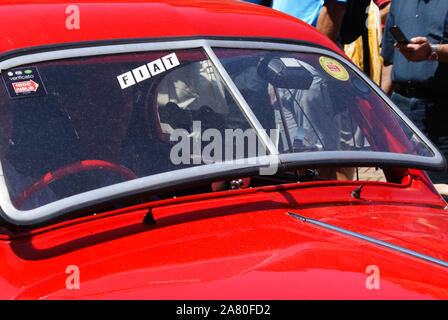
{"x": 416, "y": 74}
{"x": 365, "y": 51}
{"x": 325, "y": 15}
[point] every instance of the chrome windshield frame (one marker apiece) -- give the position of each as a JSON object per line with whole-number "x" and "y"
{"x": 62, "y": 207}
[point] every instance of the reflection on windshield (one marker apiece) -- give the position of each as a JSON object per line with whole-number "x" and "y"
{"x": 323, "y": 105}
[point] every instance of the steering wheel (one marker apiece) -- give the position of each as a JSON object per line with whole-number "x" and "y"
{"x": 67, "y": 170}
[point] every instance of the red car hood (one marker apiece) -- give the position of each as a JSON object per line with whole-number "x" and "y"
{"x": 241, "y": 247}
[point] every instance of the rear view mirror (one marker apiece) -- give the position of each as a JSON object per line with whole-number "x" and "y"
{"x": 285, "y": 73}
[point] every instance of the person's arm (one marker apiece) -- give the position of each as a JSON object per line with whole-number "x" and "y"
{"x": 386, "y": 81}
{"x": 442, "y": 52}
{"x": 330, "y": 19}
{"x": 419, "y": 49}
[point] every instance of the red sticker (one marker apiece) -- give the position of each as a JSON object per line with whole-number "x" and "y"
{"x": 333, "y": 67}
{"x": 25, "y": 86}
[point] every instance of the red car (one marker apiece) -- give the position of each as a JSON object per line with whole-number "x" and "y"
{"x": 205, "y": 150}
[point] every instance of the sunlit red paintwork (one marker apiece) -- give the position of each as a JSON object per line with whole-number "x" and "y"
{"x": 238, "y": 244}
{"x": 35, "y": 23}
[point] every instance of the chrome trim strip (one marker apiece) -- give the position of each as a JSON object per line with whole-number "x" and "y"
{"x": 363, "y": 158}
{"x": 369, "y": 239}
{"x": 98, "y": 50}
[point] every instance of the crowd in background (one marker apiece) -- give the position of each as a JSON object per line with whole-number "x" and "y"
{"x": 413, "y": 74}
{"x": 335, "y": 18}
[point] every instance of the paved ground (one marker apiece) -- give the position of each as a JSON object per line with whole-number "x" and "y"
{"x": 371, "y": 174}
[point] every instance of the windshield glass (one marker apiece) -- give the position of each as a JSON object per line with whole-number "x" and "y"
{"x": 323, "y": 104}
{"x": 74, "y": 125}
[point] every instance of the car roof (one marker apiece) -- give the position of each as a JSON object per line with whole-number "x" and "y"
{"x": 30, "y": 23}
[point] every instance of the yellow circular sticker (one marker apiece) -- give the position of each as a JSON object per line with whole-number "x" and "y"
{"x": 334, "y": 68}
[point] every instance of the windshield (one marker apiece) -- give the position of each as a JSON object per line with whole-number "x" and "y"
{"x": 70, "y": 126}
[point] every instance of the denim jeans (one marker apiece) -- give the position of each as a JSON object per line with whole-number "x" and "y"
{"x": 430, "y": 116}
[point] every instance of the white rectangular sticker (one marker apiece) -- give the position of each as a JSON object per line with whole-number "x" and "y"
{"x": 170, "y": 61}
{"x": 148, "y": 70}
{"x": 126, "y": 80}
{"x": 141, "y": 73}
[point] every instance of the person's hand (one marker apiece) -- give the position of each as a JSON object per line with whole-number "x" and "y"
{"x": 419, "y": 49}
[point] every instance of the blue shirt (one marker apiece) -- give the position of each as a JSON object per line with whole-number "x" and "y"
{"x": 427, "y": 18}
{"x": 306, "y": 10}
